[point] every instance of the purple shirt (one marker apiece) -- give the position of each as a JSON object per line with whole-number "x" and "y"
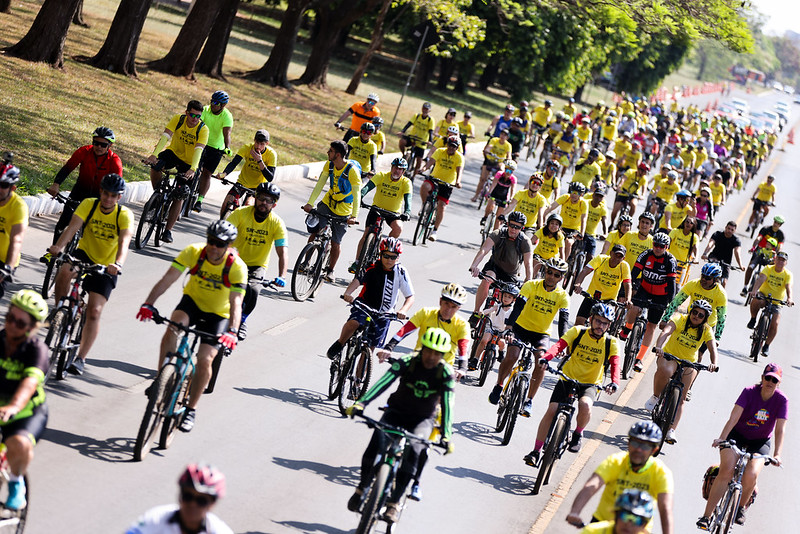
{"x": 759, "y": 417}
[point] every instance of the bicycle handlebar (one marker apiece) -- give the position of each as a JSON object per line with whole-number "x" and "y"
{"x": 160, "y": 319}
{"x": 685, "y": 363}
{"x": 768, "y": 298}
{"x": 83, "y": 266}
{"x": 559, "y": 372}
{"x": 731, "y": 444}
{"x": 165, "y": 172}
{"x": 372, "y": 312}
{"x": 390, "y": 429}
{"x": 381, "y": 211}
{"x": 609, "y": 302}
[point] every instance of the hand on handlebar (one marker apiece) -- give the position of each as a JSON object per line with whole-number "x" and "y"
{"x": 348, "y": 298}
{"x": 351, "y": 221}
{"x": 611, "y": 388}
{"x": 474, "y": 271}
{"x": 383, "y": 354}
{"x": 658, "y": 351}
{"x": 146, "y": 312}
{"x": 307, "y": 208}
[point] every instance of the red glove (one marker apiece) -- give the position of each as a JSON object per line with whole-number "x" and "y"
{"x": 145, "y": 312}
{"x": 229, "y": 339}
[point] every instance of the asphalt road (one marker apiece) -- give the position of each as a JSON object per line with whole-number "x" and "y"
{"x": 291, "y": 460}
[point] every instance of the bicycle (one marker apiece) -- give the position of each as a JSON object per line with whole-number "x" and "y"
{"x": 670, "y": 398}
{"x": 724, "y": 513}
{"x": 544, "y": 155}
{"x": 556, "y": 442}
{"x": 236, "y": 201}
{"x": 575, "y": 263}
{"x": 635, "y": 338}
{"x": 55, "y": 262}
{"x": 515, "y": 391}
{"x": 384, "y": 474}
{"x": 758, "y": 218}
{"x": 169, "y": 394}
{"x": 764, "y": 323}
{"x": 427, "y": 214}
{"x": 409, "y": 154}
{"x": 63, "y": 336}
{"x": 155, "y": 213}
{"x": 761, "y": 261}
{"x": 307, "y": 273}
{"x": 12, "y": 521}
{"x": 683, "y": 271}
{"x": 370, "y": 248}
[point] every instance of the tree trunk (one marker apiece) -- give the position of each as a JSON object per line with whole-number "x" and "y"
{"x": 45, "y": 40}
{"x": 5, "y": 6}
{"x": 77, "y": 18}
{"x": 181, "y": 58}
{"x": 446, "y": 68}
{"x": 701, "y": 68}
{"x": 210, "y": 60}
{"x": 275, "y": 70}
{"x": 374, "y": 44}
{"x": 488, "y": 75}
{"x": 424, "y": 71}
{"x": 578, "y": 96}
{"x": 118, "y": 53}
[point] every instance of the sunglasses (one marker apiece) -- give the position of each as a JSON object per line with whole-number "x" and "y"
{"x": 198, "y": 498}
{"x": 515, "y": 226}
{"x": 217, "y": 243}
{"x": 19, "y": 323}
{"x": 554, "y": 274}
{"x": 194, "y": 115}
{"x": 4, "y": 185}
{"x": 215, "y": 103}
{"x": 767, "y": 378}
{"x": 641, "y": 445}
{"x": 389, "y": 256}
{"x": 698, "y": 313}
{"x": 659, "y": 246}
{"x": 637, "y": 520}
{"x": 268, "y": 200}
{"x": 102, "y": 144}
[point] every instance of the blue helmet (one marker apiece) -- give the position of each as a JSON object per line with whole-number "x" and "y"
{"x": 603, "y": 310}
{"x": 646, "y": 431}
{"x": 712, "y": 270}
{"x": 683, "y": 193}
{"x": 635, "y": 501}
{"x": 219, "y": 97}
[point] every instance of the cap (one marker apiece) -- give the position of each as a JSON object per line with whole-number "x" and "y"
{"x": 779, "y": 219}
{"x": 619, "y": 248}
{"x": 468, "y": 114}
{"x": 773, "y": 369}
{"x": 782, "y": 254}
{"x": 262, "y": 135}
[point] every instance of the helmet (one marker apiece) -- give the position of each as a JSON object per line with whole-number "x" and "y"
{"x": 537, "y": 176}
{"x": 368, "y": 127}
{"x": 205, "y": 479}
{"x": 560, "y": 115}
{"x": 712, "y": 270}
{"x": 400, "y": 163}
{"x": 219, "y": 97}
{"x": 548, "y": 102}
{"x": 113, "y": 183}
{"x": 510, "y": 107}
{"x": 577, "y": 187}
{"x": 378, "y": 122}
{"x": 454, "y": 141}
{"x": 673, "y": 175}
{"x": 517, "y": 217}
{"x": 511, "y": 164}
{"x": 619, "y": 248}
{"x": 8, "y": 157}
{"x": 637, "y": 144}
{"x": 612, "y": 113}
{"x": 31, "y": 302}
{"x": 773, "y": 242}
{"x": 373, "y": 96}
{"x": 511, "y": 289}
{"x": 571, "y": 100}
{"x": 436, "y": 339}
{"x": 611, "y": 155}
{"x": 779, "y": 219}
{"x": 523, "y": 104}
{"x": 637, "y": 502}
{"x": 552, "y": 164}
{"x": 517, "y": 121}
{"x": 603, "y": 310}
{"x": 649, "y": 216}
{"x": 683, "y": 193}
{"x": 555, "y": 217}
{"x": 644, "y": 167}
{"x": 661, "y": 239}
{"x": 625, "y": 218}
{"x": 609, "y": 120}
{"x": 557, "y": 264}
{"x": 9, "y": 174}
{"x": 646, "y": 431}
{"x": 703, "y": 305}
{"x": 599, "y": 189}
{"x": 594, "y": 152}
{"x": 454, "y": 292}
{"x": 104, "y": 133}
{"x": 391, "y": 244}
{"x": 267, "y": 188}
{"x": 452, "y": 130}
{"x": 222, "y": 230}
{"x": 426, "y": 105}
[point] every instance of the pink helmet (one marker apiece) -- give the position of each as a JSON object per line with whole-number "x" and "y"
{"x": 391, "y": 244}
{"x": 205, "y": 479}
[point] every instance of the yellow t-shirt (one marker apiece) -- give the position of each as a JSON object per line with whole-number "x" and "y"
{"x": 608, "y": 171}
{"x": 206, "y": 287}
{"x": 776, "y": 282}
{"x": 688, "y": 160}
{"x": 613, "y": 238}
{"x": 542, "y": 115}
{"x": 255, "y": 239}
{"x": 446, "y": 167}
{"x": 379, "y": 139}
{"x": 622, "y": 147}
{"x": 680, "y": 244}
{"x": 715, "y": 296}
{"x": 458, "y": 329}
{"x": 548, "y": 186}
{"x": 667, "y": 190}
{"x": 100, "y": 239}
{"x": 587, "y": 174}
{"x": 466, "y": 128}
{"x": 548, "y": 247}
{"x": 499, "y": 150}
{"x": 609, "y": 131}
{"x": 250, "y": 176}
{"x": 584, "y": 133}
{"x": 716, "y": 192}
{"x": 541, "y": 306}
{"x": 684, "y": 343}
{"x": 595, "y": 214}
{"x": 633, "y": 183}
{"x": 13, "y": 213}
{"x": 765, "y": 191}
{"x": 184, "y": 138}
{"x": 606, "y": 279}
{"x": 420, "y": 128}
{"x": 586, "y": 361}
{"x": 635, "y": 246}
{"x": 362, "y": 152}
{"x": 572, "y": 213}
{"x": 677, "y": 215}
{"x": 389, "y": 194}
{"x": 441, "y": 129}
{"x": 603, "y": 527}
{"x": 631, "y": 159}
{"x": 529, "y": 206}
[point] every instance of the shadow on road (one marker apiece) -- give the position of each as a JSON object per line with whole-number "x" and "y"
{"x": 71, "y": 387}
{"x": 342, "y": 475}
{"x": 305, "y": 398}
{"x": 478, "y": 432}
{"x": 126, "y": 367}
{"x": 108, "y": 450}
{"x": 733, "y": 354}
{"x": 620, "y": 441}
{"x": 512, "y": 484}
{"x": 309, "y": 528}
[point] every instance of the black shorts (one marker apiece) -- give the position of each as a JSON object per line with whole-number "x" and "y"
{"x": 500, "y": 274}
{"x": 31, "y": 427}
{"x": 569, "y": 232}
{"x": 417, "y": 151}
{"x": 236, "y": 192}
{"x": 500, "y": 195}
{"x": 100, "y": 283}
{"x": 372, "y": 215}
{"x": 540, "y": 129}
{"x": 622, "y": 198}
{"x": 585, "y": 308}
{"x": 210, "y": 159}
{"x": 489, "y": 164}
{"x": 168, "y": 160}
{"x": 561, "y": 392}
{"x": 444, "y": 192}
{"x": 210, "y": 323}
{"x": 753, "y": 446}
{"x": 338, "y": 224}
{"x": 534, "y": 339}
{"x": 655, "y": 304}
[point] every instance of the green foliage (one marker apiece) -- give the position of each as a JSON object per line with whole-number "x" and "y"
{"x": 455, "y": 26}
{"x": 662, "y": 54}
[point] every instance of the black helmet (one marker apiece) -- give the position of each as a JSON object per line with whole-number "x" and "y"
{"x": 223, "y": 231}
{"x": 113, "y": 183}
{"x": 649, "y": 216}
{"x": 368, "y": 127}
{"x": 517, "y": 217}
{"x": 646, "y": 431}
{"x": 661, "y": 239}
{"x": 219, "y": 97}
{"x": 104, "y": 133}
{"x": 377, "y": 121}
{"x": 594, "y": 153}
{"x": 577, "y": 187}
{"x": 400, "y": 163}
{"x": 267, "y": 188}
{"x": 9, "y": 174}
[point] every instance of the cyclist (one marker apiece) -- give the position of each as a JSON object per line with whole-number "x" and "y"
{"x": 362, "y": 112}
{"x": 614, "y": 237}
{"x": 379, "y": 138}
{"x": 501, "y": 189}
{"x": 529, "y": 202}
{"x": 770, "y": 239}
{"x": 664, "y": 191}
{"x": 582, "y": 345}
{"x": 596, "y": 216}
{"x": 95, "y": 161}
{"x": 13, "y": 223}
{"x": 447, "y": 127}
{"x": 23, "y": 412}
{"x": 360, "y": 148}
{"x": 683, "y": 244}
{"x": 565, "y": 145}
{"x": 722, "y": 247}
{"x": 637, "y": 242}
{"x": 219, "y": 120}
{"x": 633, "y": 510}
{"x": 775, "y": 280}
{"x": 549, "y": 241}
{"x": 341, "y": 201}
{"x": 496, "y": 151}
{"x": 510, "y": 249}
{"x": 420, "y": 135}
{"x": 201, "y": 485}
{"x": 569, "y": 108}
{"x": 187, "y": 136}
{"x": 447, "y": 163}
{"x": 682, "y": 337}
{"x": 611, "y": 277}
{"x": 538, "y": 304}
{"x": 608, "y": 168}
{"x": 675, "y": 212}
{"x": 212, "y": 300}
{"x": 466, "y": 130}
{"x": 542, "y": 115}
{"x": 516, "y": 136}
{"x": 763, "y": 196}
{"x": 588, "y": 170}
{"x": 501, "y": 122}
{"x": 634, "y": 181}
{"x": 497, "y": 314}
{"x": 99, "y": 245}
{"x": 574, "y": 210}
{"x": 426, "y": 380}
{"x": 259, "y": 228}
{"x": 759, "y": 412}
{"x": 259, "y": 163}
{"x": 705, "y": 211}
{"x": 550, "y": 181}
{"x": 656, "y": 289}
{"x": 636, "y": 468}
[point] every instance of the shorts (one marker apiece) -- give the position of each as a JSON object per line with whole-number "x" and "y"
{"x": 622, "y": 198}
{"x": 500, "y": 195}
{"x": 489, "y": 164}
{"x": 338, "y": 223}
{"x": 589, "y": 244}
{"x": 210, "y": 323}
{"x": 561, "y": 392}
{"x": 255, "y": 276}
{"x": 100, "y": 283}
{"x": 757, "y": 259}
{"x": 702, "y": 224}
{"x": 501, "y": 275}
{"x": 376, "y": 331}
{"x": 418, "y": 151}
{"x": 31, "y": 427}
{"x": 540, "y": 129}
{"x": 373, "y": 215}
{"x": 533, "y": 339}
{"x": 569, "y": 232}
{"x": 753, "y": 446}
{"x": 757, "y": 204}
{"x": 168, "y": 160}
{"x": 210, "y": 159}
{"x": 724, "y": 266}
{"x": 443, "y": 193}
{"x": 585, "y": 308}
{"x": 655, "y": 304}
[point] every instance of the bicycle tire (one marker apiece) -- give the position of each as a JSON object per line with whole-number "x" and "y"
{"x": 215, "y": 365}
{"x": 306, "y": 274}
{"x": 579, "y": 264}
{"x": 374, "y": 500}
{"x": 154, "y": 413}
{"x": 487, "y": 227}
{"x": 54, "y": 339}
{"x": 557, "y": 436}
{"x": 148, "y": 221}
{"x": 484, "y": 193}
{"x": 49, "y": 277}
{"x": 519, "y": 397}
{"x": 171, "y": 422}
{"x": 502, "y": 414}
{"x": 363, "y": 259}
{"x": 66, "y": 349}
{"x": 632, "y": 348}
{"x": 759, "y": 336}
{"x": 340, "y": 366}
{"x": 530, "y": 147}
{"x": 420, "y": 232}
{"x": 668, "y": 411}
{"x": 729, "y": 510}
{"x": 194, "y": 194}
{"x": 487, "y": 363}
{"x": 350, "y": 390}
{"x": 754, "y": 228}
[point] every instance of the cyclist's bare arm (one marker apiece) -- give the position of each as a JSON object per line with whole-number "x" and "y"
{"x": 15, "y": 242}
{"x": 123, "y": 243}
{"x": 235, "y": 298}
{"x": 588, "y": 491}
{"x": 283, "y": 260}
{"x": 347, "y": 296}
{"x": 66, "y": 236}
{"x": 169, "y": 278}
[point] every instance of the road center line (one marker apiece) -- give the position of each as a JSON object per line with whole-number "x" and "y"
{"x": 285, "y": 326}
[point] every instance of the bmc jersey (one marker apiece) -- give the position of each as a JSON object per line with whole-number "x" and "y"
{"x": 656, "y": 270}
{"x": 541, "y": 306}
{"x": 251, "y": 176}
{"x": 164, "y": 520}
{"x": 446, "y": 167}
{"x": 92, "y": 170}
{"x": 685, "y": 341}
{"x": 13, "y": 213}
{"x": 30, "y": 360}
{"x": 100, "y": 239}
{"x": 255, "y": 239}
{"x": 215, "y": 124}
{"x": 184, "y": 139}
{"x": 586, "y": 360}
{"x": 390, "y": 194}
{"x": 457, "y": 327}
{"x": 381, "y": 288}
{"x": 776, "y": 282}
{"x": 607, "y": 279}
{"x": 206, "y": 287}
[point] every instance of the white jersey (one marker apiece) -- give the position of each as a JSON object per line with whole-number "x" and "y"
{"x": 164, "y": 520}
{"x": 497, "y": 315}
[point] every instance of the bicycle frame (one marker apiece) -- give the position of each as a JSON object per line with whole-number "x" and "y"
{"x": 184, "y": 363}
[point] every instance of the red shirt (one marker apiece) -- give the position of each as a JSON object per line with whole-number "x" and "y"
{"x": 92, "y": 169}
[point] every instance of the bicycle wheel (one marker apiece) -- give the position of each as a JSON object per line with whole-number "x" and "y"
{"x": 340, "y": 366}
{"x": 188, "y": 204}
{"x": 521, "y": 391}
{"x": 306, "y": 274}
{"x": 421, "y": 230}
{"x": 487, "y": 227}
{"x": 759, "y": 335}
{"x": 172, "y": 421}
{"x": 484, "y": 194}
{"x": 56, "y": 338}
{"x": 530, "y": 150}
{"x": 487, "y": 363}
{"x": 732, "y": 499}
{"x": 215, "y": 365}
{"x": 632, "y": 348}
{"x": 363, "y": 259}
{"x": 374, "y": 501}
{"x": 148, "y": 221}
{"x": 669, "y": 408}
{"x": 351, "y": 387}
{"x": 50, "y": 277}
{"x": 154, "y": 413}
{"x": 503, "y": 411}
{"x": 580, "y": 260}
{"x": 557, "y": 436}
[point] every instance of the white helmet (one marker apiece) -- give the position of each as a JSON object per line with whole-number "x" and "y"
{"x": 454, "y": 292}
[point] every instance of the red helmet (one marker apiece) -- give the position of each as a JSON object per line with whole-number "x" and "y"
{"x": 644, "y": 167}
{"x": 391, "y": 244}
{"x": 205, "y": 479}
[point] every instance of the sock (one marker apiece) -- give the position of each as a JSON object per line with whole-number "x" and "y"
{"x": 538, "y": 445}
{"x": 642, "y": 351}
{"x": 244, "y": 317}
{"x": 579, "y": 430}
{"x": 12, "y": 477}
{"x": 200, "y": 198}
{"x": 628, "y": 326}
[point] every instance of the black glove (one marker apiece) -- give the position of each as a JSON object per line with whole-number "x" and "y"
{"x": 405, "y": 216}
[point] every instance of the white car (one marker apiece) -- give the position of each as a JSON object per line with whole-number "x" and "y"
{"x": 741, "y": 106}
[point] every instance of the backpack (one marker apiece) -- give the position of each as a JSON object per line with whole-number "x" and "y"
{"x": 581, "y": 332}
{"x": 345, "y": 188}
{"x": 229, "y": 261}
{"x": 91, "y": 212}
{"x": 197, "y": 129}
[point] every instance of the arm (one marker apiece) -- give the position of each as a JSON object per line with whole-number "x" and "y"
{"x": 169, "y": 278}
{"x": 665, "y": 512}
{"x": 317, "y": 190}
{"x": 588, "y": 491}
{"x": 166, "y": 135}
{"x": 283, "y": 261}
{"x": 563, "y": 321}
{"x": 581, "y": 275}
{"x": 383, "y": 383}
{"x": 779, "y": 428}
{"x": 583, "y": 224}
{"x": 123, "y": 244}
{"x": 344, "y": 116}
{"x": 738, "y": 259}
{"x": 402, "y": 313}
{"x": 722, "y": 313}
{"x": 628, "y": 290}
{"x": 235, "y": 298}
{"x": 407, "y": 205}
{"x": 673, "y": 305}
{"x": 709, "y": 248}
{"x": 369, "y": 186}
{"x": 230, "y": 167}
{"x": 663, "y": 337}
{"x": 15, "y": 243}
{"x": 74, "y": 225}
{"x": 758, "y": 283}
{"x": 347, "y": 296}
{"x": 789, "y": 295}
{"x": 486, "y": 247}
{"x": 25, "y": 390}
{"x": 226, "y": 135}
{"x": 527, "y": 261}
{"x": 458, "y": 177}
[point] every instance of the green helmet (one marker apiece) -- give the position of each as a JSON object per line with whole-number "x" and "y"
{"x": 436, "y": 339}
{"x": 31, "y": 302}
